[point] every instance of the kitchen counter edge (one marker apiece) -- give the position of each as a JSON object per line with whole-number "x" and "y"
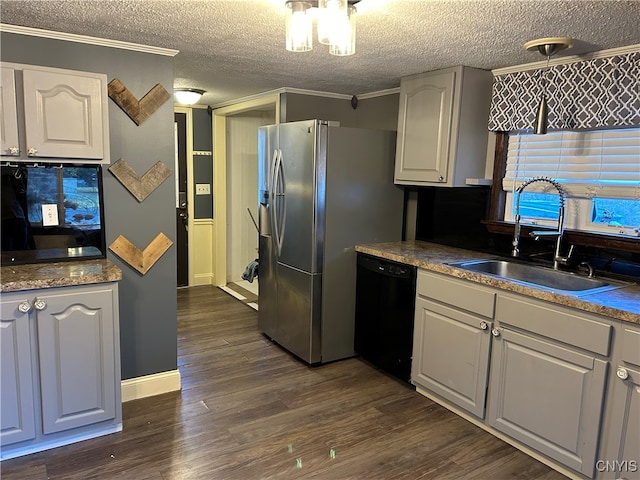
{"x": 16, "y": 278}
{"x": 621, "y": 303}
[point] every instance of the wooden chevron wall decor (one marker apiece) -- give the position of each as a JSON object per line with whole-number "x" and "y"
{"x": 138, "y": 110}
{"x": 141, "y": 260}
{"x": 140, "y": 187}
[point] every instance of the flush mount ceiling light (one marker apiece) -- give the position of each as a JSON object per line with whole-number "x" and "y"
{"x": 187, "y": 96}
{"x": 336, "y": 25}
{"x": 547, "y": 47}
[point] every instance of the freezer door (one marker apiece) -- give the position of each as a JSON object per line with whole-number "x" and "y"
{"x": 299, "y": 179}
{"x": 299, "y": 316}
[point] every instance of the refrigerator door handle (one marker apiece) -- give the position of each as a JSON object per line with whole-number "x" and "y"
{"x": 272, "y": 172}
{"x": 279, "y": 202}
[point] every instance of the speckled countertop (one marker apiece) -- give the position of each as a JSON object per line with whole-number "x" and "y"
{"x": 620, "y": 303}
{"x": 15, "y": 278}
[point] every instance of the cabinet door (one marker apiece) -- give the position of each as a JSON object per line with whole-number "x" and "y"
{"x": 63, "y": 115}
{"x": 547, "y": 396}
{"x": 17, "y": 412}
{"x": 451, "y": 355}
{"x": 8, "y": 114}
{"x": 624, "y": 460}
{"x": 424, "y": 128}
{"x": 77, "y": 364}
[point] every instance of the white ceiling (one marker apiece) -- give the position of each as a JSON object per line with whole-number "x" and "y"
{"x": 235, "y": 48}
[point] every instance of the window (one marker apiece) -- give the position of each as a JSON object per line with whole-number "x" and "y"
{"x": 600, "y": 171}
{"x": 72, "y": 190}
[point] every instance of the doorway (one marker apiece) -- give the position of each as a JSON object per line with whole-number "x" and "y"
{"x": 235, "y": 238}
{"x": 182, "y": 212}
{"x": 242, "y": 193}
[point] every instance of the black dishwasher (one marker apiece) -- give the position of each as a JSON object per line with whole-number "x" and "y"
{"x": 385, "y": 301}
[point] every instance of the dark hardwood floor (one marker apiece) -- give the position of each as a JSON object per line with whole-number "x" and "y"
{"x": 249, "y": 410}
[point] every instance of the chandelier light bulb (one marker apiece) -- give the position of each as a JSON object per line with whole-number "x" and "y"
{"x": 299, "y": 27}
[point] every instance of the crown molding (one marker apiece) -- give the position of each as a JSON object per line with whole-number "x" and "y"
{"x": 72, "y": 37}
{"x": 302, "y": 91}
{"x": 568, "y": 59}
{"x": 379, "y": 93}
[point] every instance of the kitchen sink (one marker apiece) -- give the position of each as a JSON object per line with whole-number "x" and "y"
{"x": 540, "y": 277}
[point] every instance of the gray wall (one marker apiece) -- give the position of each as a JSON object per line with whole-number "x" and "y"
{"x": 147, "y": 302}
{"x": 202, "y": 164}
{"x": 378, "y": 112}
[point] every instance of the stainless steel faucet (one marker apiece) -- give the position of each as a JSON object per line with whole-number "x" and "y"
{"x": 557, "y": 258}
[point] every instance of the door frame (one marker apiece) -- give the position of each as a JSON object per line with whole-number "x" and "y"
{"x": 189, "y": 118}
{"x": 219, "y": 124}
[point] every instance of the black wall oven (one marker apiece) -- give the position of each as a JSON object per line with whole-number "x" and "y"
{"x": 51, "y": 213}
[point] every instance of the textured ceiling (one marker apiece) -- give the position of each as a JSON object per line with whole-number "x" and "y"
{"x": 235, "y": 48}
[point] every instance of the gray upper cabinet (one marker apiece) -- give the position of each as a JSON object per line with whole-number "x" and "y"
{"x": 17, "y": 416}
{"x": 60, "y": 367}
{"x": 452, "y": 340}
{"x": 64, "y": 114}
{"x": 548, "y": 391}
{"x": 442, "y": 127}
{"x": 9, "y": 143}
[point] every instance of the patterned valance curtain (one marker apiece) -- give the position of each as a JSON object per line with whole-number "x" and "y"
{"x": 585, "y": 95}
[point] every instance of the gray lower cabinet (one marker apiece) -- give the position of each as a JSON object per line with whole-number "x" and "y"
{"x": 556, "y": 380}
{"x": 452, "y": 340}
{"x": 60, "y": 367}
{"x": 548, "y": 379}
{"x": 620, "y": 458}
{"x": 17, "y": 412}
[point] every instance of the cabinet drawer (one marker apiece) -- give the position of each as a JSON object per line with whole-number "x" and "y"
{"x": 631, "y": 346}
{"x": 558, "y": 323}
{"x": 457, "y": 293}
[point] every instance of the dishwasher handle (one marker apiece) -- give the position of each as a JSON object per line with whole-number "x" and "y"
{"x": 387, "y": 268}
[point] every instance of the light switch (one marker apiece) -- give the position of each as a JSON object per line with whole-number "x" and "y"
{"x": 49, "y": 215}
{"x": 203, "y": 189}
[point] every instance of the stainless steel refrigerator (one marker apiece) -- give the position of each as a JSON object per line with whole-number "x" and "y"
{"x": 322, "y": 190}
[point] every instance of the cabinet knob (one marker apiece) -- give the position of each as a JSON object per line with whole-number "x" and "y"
{"x": 14, "y": 151}
{"x": 32, "y": 151}
{"x": 622, "y": 373}
{"x": 495, "y": 332}
{"x": 24, "y": 307}
{"x": 40, "y": 304}
{"x": 484, "y": 325}
{"x": 441, "y": 178}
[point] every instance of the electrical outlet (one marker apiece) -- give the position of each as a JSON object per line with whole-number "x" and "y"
{"x": 49, "y": 215}
{"x": 203, "y": 189}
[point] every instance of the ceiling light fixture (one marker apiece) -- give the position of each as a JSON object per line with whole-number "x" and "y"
{"x": 547, "y": 47}
{"x": 336, "y": 25}
{"x": 188, "y": 96}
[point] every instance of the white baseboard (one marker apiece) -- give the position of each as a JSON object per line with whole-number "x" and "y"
{"x": 202, "y": 279}
{"x": 233, "y": 293}
{"x": 250, "y": 286}
{"x": 149, "y": 385}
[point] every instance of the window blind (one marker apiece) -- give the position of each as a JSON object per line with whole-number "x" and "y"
{"x": 604, "y": 163}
